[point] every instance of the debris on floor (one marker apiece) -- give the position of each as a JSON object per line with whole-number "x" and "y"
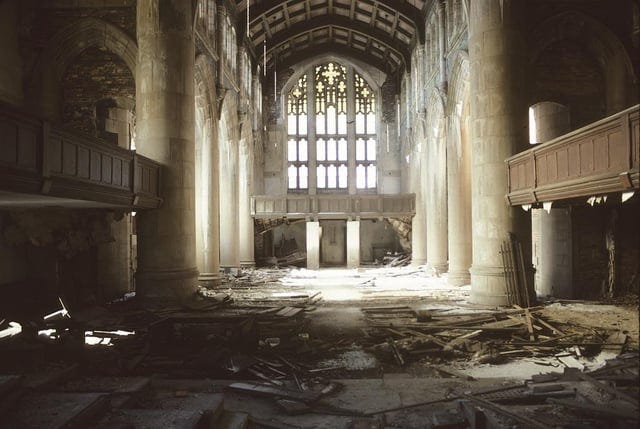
{"x": 268, "y": 349}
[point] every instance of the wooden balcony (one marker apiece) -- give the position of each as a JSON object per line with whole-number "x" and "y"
{"x": 39, "y": 161}
{"x": 600, "y": 158}
{"x": 327, "y": 206}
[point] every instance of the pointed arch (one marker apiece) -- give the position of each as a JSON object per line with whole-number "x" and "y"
{"x": 88, "y": 32}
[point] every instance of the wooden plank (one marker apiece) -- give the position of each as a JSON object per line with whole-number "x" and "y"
{"x": 505, "y": 412}
{"x": 532, "y": 334}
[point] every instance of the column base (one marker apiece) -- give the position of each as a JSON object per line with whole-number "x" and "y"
{"x": 209, "y": 279}
{"x": 438, "y": 267}
{"x": 247, "y": 264}
{"x": 418, "y": 262}
{"x": 167, "y": 284}
{"x": 488, "y": 286}
{"x": 459, "y": 277}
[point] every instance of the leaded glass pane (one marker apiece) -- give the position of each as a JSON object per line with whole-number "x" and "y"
{"x": 302, "y": 150}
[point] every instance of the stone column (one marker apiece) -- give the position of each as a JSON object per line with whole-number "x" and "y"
{"x": 436, "y": 198}
{"x": 497, "y": 57}
{"x": 165, "y": 106}
{"x": 247, "y": 258}
{"x": 551, "y": 230}
{"x": 353, "y": 243}
{"x": 228, "y": 182}
{"x": 459, "y": 200}
{"x": 418, "y": 223}
{"x": 207, "y": 205}
{"x": 313, "y": 245}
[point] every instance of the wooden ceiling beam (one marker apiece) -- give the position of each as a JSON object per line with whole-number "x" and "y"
{"x": 376, "y": 34}
{"x": 331, "y": 48}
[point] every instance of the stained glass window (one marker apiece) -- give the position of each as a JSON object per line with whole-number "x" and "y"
{"x": 334, "y": 133}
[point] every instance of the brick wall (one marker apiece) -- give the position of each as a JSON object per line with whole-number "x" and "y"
{"x": 96, "y": 74}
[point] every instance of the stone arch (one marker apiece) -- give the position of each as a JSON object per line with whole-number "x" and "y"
{"x": 374, "y": 77}
{"x": 602, "y": 46}
{"x": 44, "y": 90}
{"x": 71, "y": 40}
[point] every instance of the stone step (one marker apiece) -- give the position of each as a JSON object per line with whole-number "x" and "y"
{"x": 57, "y": 410}
{"x": 232, "y": 420}
{"x": 151, "y": 419}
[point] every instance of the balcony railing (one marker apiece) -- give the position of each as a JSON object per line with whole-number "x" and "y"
{"x": 600, "y": 158}
{"x": 332, "y": 206}
{"x": 37, "y": 157}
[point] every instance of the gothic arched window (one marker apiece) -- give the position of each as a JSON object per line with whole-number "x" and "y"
{"x": 338, "y": 137}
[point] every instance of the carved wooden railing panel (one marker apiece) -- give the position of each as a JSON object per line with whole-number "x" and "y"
{"x": 39, "y": 158}
{"x": 600, "y": 158}
{"x": 327, "y": 206}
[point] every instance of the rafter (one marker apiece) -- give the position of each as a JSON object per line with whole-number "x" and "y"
{"x": 331, "y": 48}
{"x": 376, "y": 34}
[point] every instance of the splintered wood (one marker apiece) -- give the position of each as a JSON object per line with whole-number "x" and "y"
{"x": 401, "y": 334}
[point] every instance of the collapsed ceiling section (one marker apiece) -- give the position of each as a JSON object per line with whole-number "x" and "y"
{"x": 378, "y": 32}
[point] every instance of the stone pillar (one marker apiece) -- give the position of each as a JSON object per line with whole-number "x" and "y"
{"x": 114, "y": 259}
{"x": 553, "y": 259}
{"x": 313, "y": 245}
{"x": 245, "y": 225}
{"x": 551, "y": 230}
{"x": 442, "y": 42}
{"x": 436, "y": 195}
{"x": 497, "y": 57}
{"x": 207, "y": 204}
{"x": 353, "y": 243}
{"x": 165, "y": 106}
{"x": 419, "y": 221}
{"x": 459, "y": 201}
{"x": 228, "y": 181}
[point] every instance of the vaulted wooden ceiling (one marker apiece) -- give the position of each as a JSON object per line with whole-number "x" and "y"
{"x": 378, "y": 32}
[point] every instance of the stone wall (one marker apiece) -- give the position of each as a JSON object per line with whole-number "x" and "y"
{"x": 96, "y": 75}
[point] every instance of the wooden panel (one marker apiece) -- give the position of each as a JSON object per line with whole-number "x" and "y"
{"x": 563, "y": 164}
{"x": 117, "y": 172}
{"x": 9, "y": 147}
{"x": 601, "y": 154}
{"x": 107, "y": 168}
{"x": 541, "y": 170}
{"x": 96, "y": 165}
{"x": 618, "y": 151}
{"x": 69, "y": 158}
{"x": 574, "y": 161}
{"x": 126, "y": 174}
{"x": 584, "y": 162}
{"x": 27, "y": 152}
{"x": 84, "y": 163}
{"x": 55, "y": 154}
{"x": 586, "y": 158}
